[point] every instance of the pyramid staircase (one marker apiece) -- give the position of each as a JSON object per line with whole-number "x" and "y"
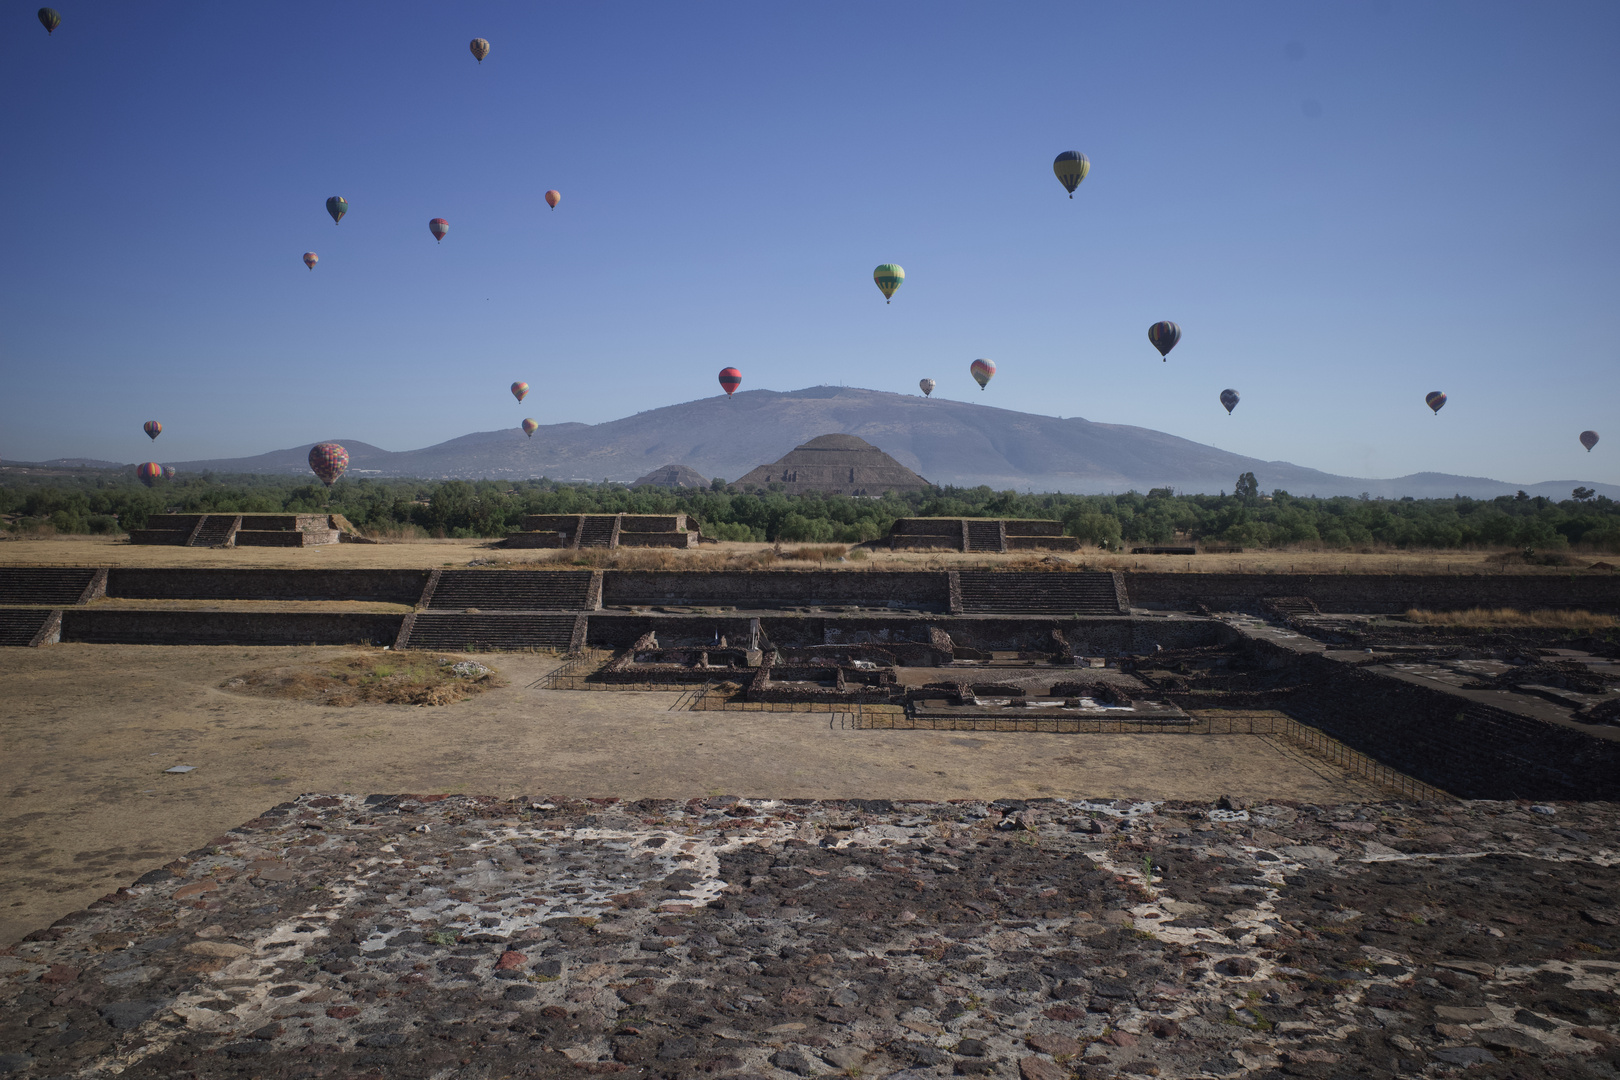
{"x": 511, "y": 590}
{"x": 984, "y": 535}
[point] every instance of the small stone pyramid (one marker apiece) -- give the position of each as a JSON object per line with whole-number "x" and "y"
{"x": 673, "y": 476}
{"x": 836, "y": 465}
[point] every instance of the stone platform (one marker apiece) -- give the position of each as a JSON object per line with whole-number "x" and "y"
{"x": 421, "y": 936}
{"x": 603, "y": 531}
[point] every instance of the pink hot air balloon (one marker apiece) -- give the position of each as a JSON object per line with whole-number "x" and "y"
{"x": 530, "y": 427}
{"x": 310, "y": 259}
{"x": 730, "y": 379}
{"x": 520, "y": 390}
{"x": 328, "y": 461}
{"x": 439, "y": 228}
{"x": 149, "y": 473}
{"x": 553, "y": 197}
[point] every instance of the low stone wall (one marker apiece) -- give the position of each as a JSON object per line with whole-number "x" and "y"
{"x": 285, "y": 538}
{"x": 109, "y": 626}
{"x": 912, "y": 528}
{"x": 388, "y": 586}
{"x": 653, "y": 523}
{"x": 1375, "y": 593}
{"x": 657, "y": 539}
{"x": 1042, "y": 543}
{"x": 172, "y": 537}
{"x": 924, "y": 590}
{"x": 285, "y": 522}
{"x": 927, "y": 543}
{"x": 538, "y": 539}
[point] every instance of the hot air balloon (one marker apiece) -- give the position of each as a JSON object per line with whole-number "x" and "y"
{"x": 1589, "y": 439}
{"x": 520, "y": 390}
{"x": 730, "y": 379}
{"x": 328, "y": 461}
{"x": 479, "y": 47}
{"x": 168, "y": 472}
{"x": 337, "y": 206}
{"x": 553, "y": 198}
{"x": 149, "y": 474}
{"x": 530, "y": 427}
{"x": 983, "y": 371}
{"x": 49, "y": 19}
{"x": 1434, "y": 399}
{"x": 889, "y": 278}
{"x": 1164, "y": 336}
{"x": 310, "y": 259}
{"x": 152, "y": 428}
{"x": 439, "y": 228}
{"x": 927, "y": 386}
{"x": 1229, "y": 398}
{"x": 1071, "y": 167}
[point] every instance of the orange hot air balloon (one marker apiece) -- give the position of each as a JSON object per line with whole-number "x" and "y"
{"x": 553, "y": 198}
{"x": 520, "y": 390}
{"x": 310, "y": 259}
{"x": 530, "y": 427}
{"x": 149, "y": 473}
{"x": 730, "y": 379}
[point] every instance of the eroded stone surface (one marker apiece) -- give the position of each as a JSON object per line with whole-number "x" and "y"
{"x": 422, "y": 936}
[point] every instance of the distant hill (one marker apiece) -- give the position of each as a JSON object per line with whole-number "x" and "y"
{"x": 950, "y": 442}
{"x": 58, "y": 464}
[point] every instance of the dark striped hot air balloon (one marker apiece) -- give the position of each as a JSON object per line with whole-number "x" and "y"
{"x": 730, "y": 379}
{"x": 479, "y": 47}
{"x": 1229, "y": 398}
{"x": 168, "y": 472}
{"x": 983, "y": 371}
{"x": 927, "y": 387}
{"x": 49, "y": 19}
{"x": 328, "y": 460}
{"x": 520, "y": 390}
{"x": 889, "y": 278}
{"x": 149, "y": 474}
{"x": 152, "y": 428}
{"x": 1589, "y": 439}
{"x": 1164, "y": 336}
{"x": 439, "y": 227}
{"x": 530, "y": 427}
{"x": 1071, "y": 167}
{"x": 553, "y": 198}
{"x": 1435, "y": 400}
{"x": 337, "y": 206}
{"x": 310, "y": 259}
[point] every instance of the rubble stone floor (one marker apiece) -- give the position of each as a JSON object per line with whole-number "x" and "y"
{"x": 405, "y": 936}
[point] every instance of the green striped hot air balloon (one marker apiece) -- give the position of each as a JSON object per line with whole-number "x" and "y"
{"x": 1071, "y": 167}
{"x": 889, "y": 277}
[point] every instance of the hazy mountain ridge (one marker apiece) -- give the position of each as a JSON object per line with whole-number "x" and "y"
{"x": 950, "y": 442}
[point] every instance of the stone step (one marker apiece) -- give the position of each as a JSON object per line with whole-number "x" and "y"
{"x": 511, "y": 590}
{"x": 1011, "y": 592}
{"x": 453, "y": 633}
{"x": 985, "y": 536}
{"x": 43, "y": 585}
{"x": 216, "y": 531}
{"x": 597, "y": 531}
{"x": 17, "y": 628}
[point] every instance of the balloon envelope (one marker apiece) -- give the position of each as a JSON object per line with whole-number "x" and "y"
{"x": 168, "y": 472}
{"x": 439, "y": 227}
{"x": 328, "y": 460}
{"x": 889, "y": 277}
{"x": 530, "y": 427}
{"x": 1164, "y": 336}
{"x": 49, "y": 19}
{"x": 520, "y": 390}
{"x": 1229, "y": 398}
{"x": 1589, "y": 439}
{"x": 310, "y": 259}
{"x": 983, "y": 371}
{"x": 553, "y": 198}
{"x": 152, "y": 428}
{"x": 927, "y": 386}
{"x": 730, "y": 379}
{"x": 479, "y": 47}
{"x": 150, "y": 473}
{"x": 1434, "y": 399}
{"x": 1071, "y": 167}
{"x": 337, "y": 206}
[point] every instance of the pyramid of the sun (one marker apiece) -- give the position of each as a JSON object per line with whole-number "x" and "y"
{"x": 673, "y": 476}
{"x": 836, "y": 465}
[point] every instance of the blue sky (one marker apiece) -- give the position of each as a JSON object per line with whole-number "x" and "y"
{"x": 1344, "y": 206}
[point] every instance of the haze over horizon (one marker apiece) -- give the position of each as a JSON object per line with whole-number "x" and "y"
{"x": 1343, "y": 208}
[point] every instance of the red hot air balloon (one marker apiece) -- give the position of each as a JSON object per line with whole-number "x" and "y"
{"x": 439, "y": 228}
{"x": 1434, "y": 399}
{"x": 152, "y": 428}
{"x": 530, "y": 427}
{"x": 520, "y": 390}
{"x": 553, "y": 198}
{"x": 310, "y": 259}
{"x": 730, "y": 379}
{"x": 328, "y": 461}
{"x": 149, "y": 474}
{"x": 1589, "y": 439}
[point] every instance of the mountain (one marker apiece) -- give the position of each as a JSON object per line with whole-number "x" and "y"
{"x": 950, "y": 442}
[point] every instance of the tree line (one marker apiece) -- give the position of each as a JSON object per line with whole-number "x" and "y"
{"x": 90, "y": 501}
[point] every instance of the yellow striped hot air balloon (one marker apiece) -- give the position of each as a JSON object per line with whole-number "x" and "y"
{"x": 479, "y": 47}
{"x": 889, "y": 278}
{"x": 530, "y": 427}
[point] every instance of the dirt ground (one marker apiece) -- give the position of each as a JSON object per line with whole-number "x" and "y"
{"x": 88, "y": 730}
{"x": 427, "y": 554}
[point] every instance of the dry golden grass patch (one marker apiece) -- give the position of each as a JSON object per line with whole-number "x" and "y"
{"x": 1547, "y": 618}
{"x": 383, "y": 678}
{"x": 813, "y": 553}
